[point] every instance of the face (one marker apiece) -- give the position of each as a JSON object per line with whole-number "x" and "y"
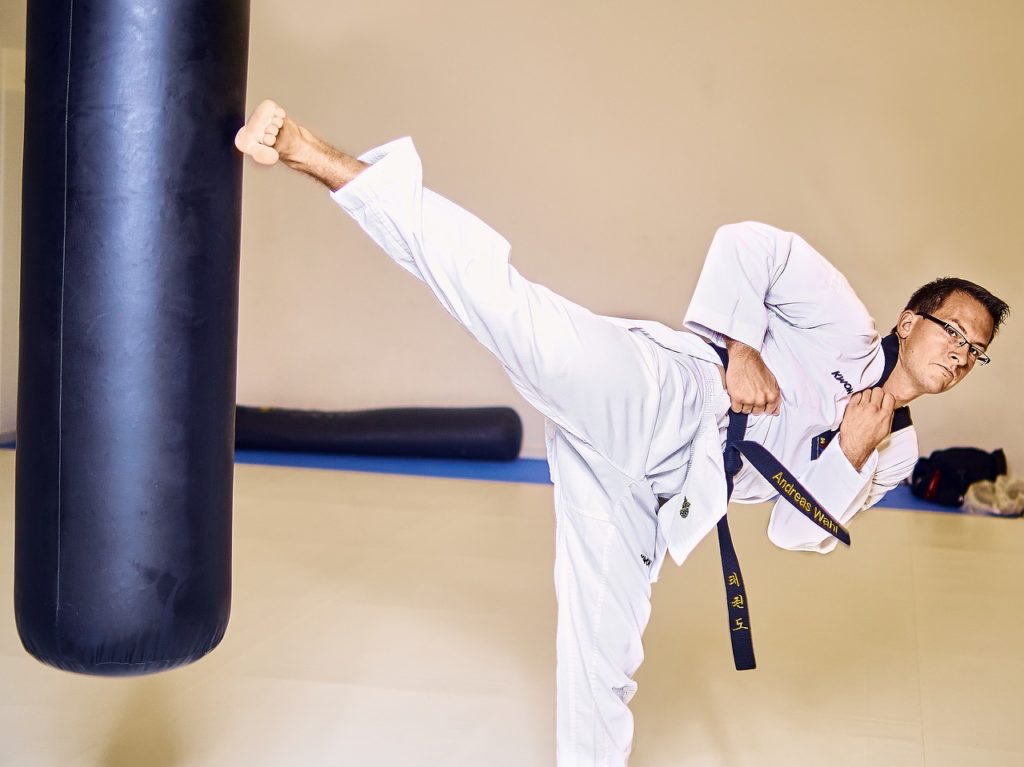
{"x": 931, "y": 358}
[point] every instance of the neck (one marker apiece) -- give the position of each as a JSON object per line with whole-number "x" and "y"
{"x": 900, "y": 386}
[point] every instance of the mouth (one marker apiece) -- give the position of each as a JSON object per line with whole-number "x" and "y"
{"x": 947, "y": 371}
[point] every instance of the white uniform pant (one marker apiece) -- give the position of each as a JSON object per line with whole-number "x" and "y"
{"x": 621, "y": 412}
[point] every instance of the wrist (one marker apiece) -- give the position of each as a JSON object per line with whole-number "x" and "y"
{"x": 857, "y": 455}
{"x": 738, "y": 347}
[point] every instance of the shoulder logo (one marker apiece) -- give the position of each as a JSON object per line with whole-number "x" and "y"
{"x": 846, "y": 384}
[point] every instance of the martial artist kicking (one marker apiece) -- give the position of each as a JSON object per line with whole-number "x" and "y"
{"x": 637, "y": 413}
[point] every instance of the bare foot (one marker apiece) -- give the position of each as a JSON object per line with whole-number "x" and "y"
{"x": 258, "y": 137}
{"x": 271, "y": 136}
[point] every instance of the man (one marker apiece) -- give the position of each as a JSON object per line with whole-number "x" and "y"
{"x": 637, "y": 413}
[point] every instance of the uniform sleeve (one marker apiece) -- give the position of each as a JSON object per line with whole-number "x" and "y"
{"x": 843, "y": 490}
{"x": 752, "y": 270}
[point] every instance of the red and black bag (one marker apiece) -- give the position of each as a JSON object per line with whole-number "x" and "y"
{"x": 944, "y": 476}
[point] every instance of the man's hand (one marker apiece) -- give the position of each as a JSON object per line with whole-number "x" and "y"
{"x": 752, "y": 387}
{"x": 867, "y": 421}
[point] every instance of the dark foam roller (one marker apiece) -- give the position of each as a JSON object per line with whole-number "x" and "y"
{"x": 482, "y": 433}
{"x": 129, "y": 306}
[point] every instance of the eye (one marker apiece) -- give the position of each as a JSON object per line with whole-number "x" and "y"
{"x": 952, "y": 333}
{"x": 975, "y": 352}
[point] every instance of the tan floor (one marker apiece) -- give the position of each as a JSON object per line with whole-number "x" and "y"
{"x": 381, "y": 620}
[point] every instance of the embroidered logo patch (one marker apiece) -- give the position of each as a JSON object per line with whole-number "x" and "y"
{"x": 846, "y": 384}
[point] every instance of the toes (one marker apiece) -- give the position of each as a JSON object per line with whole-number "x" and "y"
{"x": 258, "y": 136}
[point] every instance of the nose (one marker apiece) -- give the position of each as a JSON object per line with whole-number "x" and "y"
{"x": 959, "y": 356}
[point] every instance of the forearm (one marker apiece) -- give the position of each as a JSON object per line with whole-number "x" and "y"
{"x": 305, "y": 152}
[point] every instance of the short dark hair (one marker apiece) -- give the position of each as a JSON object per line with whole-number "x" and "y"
{"x": 928, "y": 298}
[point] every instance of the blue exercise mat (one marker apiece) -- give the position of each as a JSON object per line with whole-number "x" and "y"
{"x": 529, "y": 470}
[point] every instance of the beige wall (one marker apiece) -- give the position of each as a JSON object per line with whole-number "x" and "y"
{"x": 12, "y": 131}
{"x": 12, "y": 137}
{"x": 607, "y": 141}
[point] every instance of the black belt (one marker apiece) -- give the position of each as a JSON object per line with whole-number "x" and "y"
{"x": 789, "y": 488}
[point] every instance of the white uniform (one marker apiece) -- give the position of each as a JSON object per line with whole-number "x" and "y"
{"x": 636, "y": 413}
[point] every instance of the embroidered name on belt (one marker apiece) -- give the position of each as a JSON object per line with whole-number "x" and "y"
{"x": 789, "y": 491}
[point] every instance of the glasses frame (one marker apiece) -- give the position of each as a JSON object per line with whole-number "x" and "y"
{"x": 959, "y": 339}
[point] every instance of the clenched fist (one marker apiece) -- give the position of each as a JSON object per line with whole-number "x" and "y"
{"x": 867, "y": 421}
{"x": 752, "y": 387}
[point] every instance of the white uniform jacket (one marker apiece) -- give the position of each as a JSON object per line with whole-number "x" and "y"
{"x": 770, "y": 290}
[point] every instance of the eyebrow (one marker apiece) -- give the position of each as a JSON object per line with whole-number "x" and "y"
{"x": 979, "y": 344}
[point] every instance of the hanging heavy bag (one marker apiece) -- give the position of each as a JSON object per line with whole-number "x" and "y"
{"x": 129, "y": 306}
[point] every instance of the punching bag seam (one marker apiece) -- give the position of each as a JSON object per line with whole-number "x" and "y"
{"x": 60, "y": 324}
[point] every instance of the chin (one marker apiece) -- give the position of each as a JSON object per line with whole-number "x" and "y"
{"x": 937, "y": 382}
{"x": 946, "y": 383}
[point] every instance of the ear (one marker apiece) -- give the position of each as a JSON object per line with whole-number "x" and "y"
{"x": 905, "y": 323}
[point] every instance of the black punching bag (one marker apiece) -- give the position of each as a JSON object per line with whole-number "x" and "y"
{"x": 129, "y": 313}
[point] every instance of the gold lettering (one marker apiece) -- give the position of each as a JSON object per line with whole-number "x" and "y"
{"x": 828, "y": 524}
{"x": 734, "y": 580}
{"x": 740, "y": 626}
{"x": 737, "y": 601}
{"x": 789, "y": 489}
{"x": 820, "y": 518}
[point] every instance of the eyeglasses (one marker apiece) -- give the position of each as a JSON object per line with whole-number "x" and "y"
{"x": 959, "y": 339}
